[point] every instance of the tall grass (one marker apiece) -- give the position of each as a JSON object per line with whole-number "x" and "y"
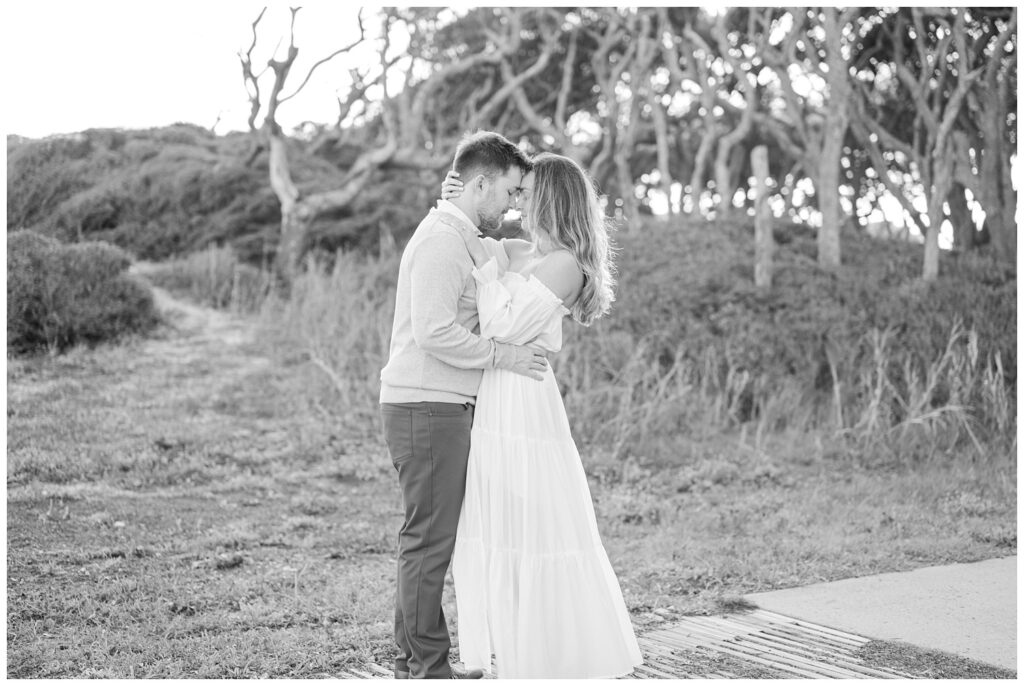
{"x": 216, "y": 278}
{"x": 338, "y": 319}
{"x": 885, "y": 401}
{"x": 660, "y": 374}
{"x": 623, "y": 394}
{"x": 929, "y": 405}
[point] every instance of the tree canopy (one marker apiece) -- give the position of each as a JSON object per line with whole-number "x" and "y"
{"x": 663, "y": 105}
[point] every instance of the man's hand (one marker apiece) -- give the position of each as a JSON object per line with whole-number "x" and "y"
{"x": 530, "y": 361}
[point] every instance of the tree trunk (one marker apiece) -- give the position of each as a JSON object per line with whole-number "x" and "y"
{"x": 293, "y": 229}
{"x": 723, "y": 175}
{"x": 724, "y": 171}
{"x": 292, "y": 248}
{"x": 625, "y": 143}
{"x": 837, "y": 120}
{"x": 828, "y": 203}
{"x": 700, "y": 163}
{"x": 764, "y": 243}
{"x": 662, "y": 141}
{"x": 960, "y": 217}
{"x": 710, "y": 131}
{"x": 941, "y": 183}
{"x": 999, "y": 206}
{"x": 627, "y": 191}
{"x": 930, "y": 270}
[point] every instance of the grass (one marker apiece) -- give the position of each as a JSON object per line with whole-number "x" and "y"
{"x": 928, "y": 664}
{"x": 188, "y": 506}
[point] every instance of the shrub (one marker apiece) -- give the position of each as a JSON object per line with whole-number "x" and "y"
{"x": 156, "y": 193}
{"x": 165, "y": 192}
{"x": 29, "y": 260}
{"x": 63, "y": 295}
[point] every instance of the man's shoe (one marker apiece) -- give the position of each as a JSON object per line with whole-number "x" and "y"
{"x": 459, "y": 673}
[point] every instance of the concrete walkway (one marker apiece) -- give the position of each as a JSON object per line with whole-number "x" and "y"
{"x": 965, "y": 609}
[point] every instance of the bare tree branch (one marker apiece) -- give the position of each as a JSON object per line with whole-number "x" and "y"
{"x": 340, "y": 51}
{"x": 514, "y": 81}
{"x": 568, "y": 67}
{"x": 251, "y": 80}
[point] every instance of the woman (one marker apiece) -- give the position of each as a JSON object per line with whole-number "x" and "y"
{"x": 533, "y": 583}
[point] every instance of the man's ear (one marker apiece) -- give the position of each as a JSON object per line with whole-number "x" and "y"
{"x": 479, "y": 182}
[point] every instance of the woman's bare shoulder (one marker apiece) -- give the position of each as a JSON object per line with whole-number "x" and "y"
{"x": 561, "y": 273}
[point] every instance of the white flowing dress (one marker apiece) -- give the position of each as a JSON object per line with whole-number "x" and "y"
{"x": 533, "y": 583}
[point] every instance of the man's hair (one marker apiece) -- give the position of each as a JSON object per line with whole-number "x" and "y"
{"x": 488, "y": 153}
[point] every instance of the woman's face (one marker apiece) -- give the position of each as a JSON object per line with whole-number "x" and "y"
{"x": 524, "y": 196}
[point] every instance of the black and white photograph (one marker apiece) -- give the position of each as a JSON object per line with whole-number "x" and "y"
{"x": 374, "y": 342}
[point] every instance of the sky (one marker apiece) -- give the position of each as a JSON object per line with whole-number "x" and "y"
{"x": 69, "y": 66}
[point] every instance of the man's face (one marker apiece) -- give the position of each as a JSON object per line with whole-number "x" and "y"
{"x": 499, "y": 199}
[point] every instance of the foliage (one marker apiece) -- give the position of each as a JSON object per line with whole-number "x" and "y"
{"x": 692, "y": 347}
{"x": 169, "y": 192}
{"x": 62, "y": 295}
{"x": 155, "y": 193}
{"x": 866, "y": 355}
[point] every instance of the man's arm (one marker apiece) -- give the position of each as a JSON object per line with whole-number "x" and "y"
{"x": 437, "y": 280}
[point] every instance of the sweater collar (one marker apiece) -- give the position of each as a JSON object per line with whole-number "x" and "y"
{"x": 449, "y": 207}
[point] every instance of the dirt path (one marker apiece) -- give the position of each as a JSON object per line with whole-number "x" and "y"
{"x": 202, "y": 323}
{"x": 204, "y": 334}
{"x": 203, "y": 330}
{"x": 177, "y": 508}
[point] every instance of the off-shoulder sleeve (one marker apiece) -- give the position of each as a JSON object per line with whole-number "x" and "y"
{"x": 513, "y": 308}
{"x": 496, "y": 249}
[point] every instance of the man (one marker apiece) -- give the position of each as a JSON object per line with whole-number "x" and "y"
{"x": 429, "y": 385}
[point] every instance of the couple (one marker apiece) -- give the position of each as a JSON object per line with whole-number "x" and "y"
{"x": 511, "y": 508}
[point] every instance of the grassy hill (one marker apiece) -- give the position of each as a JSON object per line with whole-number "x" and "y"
{"x": 166, "y": 192}
{"x": 863, "y": 347}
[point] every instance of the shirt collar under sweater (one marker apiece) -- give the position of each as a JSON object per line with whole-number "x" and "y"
{"x": 451, "y": 208}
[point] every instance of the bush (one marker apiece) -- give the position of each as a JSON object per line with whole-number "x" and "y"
{"x": 29, "y": 259}
{"x": 166, "y": 192}
{"x": 63, "y": 295}
{"x": 156, "y": 193}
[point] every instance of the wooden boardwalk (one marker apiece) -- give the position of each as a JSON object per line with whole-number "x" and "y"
{"x": 777, "y": 646}
{"x": 731, "y": 646}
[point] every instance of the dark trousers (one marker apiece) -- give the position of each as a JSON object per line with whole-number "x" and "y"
{"x": 429, "y": 446}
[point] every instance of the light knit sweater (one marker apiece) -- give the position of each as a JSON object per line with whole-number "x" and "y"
{"x": 436, "y": 353}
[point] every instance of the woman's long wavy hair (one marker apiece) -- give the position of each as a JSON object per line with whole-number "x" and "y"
{"x": 566, "y": 207}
